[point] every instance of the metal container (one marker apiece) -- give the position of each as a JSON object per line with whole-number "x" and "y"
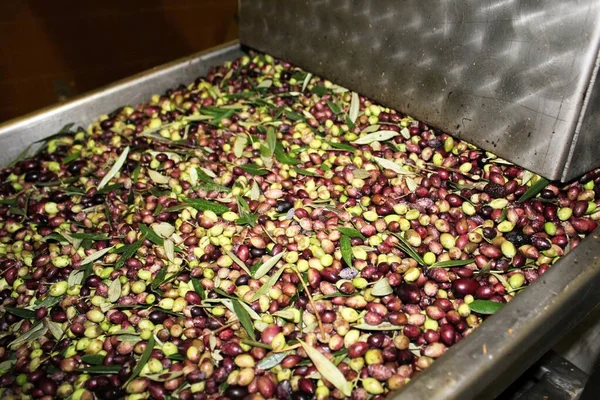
{"x": 481, "y": 365}
{"x": 517, "y": 78}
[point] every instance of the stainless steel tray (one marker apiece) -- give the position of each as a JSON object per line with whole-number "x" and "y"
{"x": 478, "y": 367}
{"x": 518, "y": 78}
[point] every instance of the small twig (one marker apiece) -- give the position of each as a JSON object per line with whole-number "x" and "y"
{"x": 312, "y": 303}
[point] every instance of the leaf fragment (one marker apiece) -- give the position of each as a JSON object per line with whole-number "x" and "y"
{"x": 354, "y": 107}
{"x": 157, "y": 177}
{"x": 328, "y": 369}
{"x": 382, "y": 288}
{"x": 114, "y": 170}
{"x": 114, "y": 290}
{"x": 379, "y": 136}
{"x": 346, "y": 249}
{"x": 486, "y": 307}
{"x": 244, "y": 318}
{"x": 393, "y": 166}
{"x": 267, "y": 265}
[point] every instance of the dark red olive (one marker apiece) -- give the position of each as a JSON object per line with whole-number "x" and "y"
{"x": 463, "y": 287}
{"x": 409, "y": 293}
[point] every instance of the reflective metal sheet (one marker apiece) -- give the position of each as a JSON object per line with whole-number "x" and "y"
{"x": 511, "y": 76}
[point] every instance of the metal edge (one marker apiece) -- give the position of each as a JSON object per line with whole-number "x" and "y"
{"x": 26, "y": 119}
{"x": 592, "y": 79}
{"x": 509, "y": 342}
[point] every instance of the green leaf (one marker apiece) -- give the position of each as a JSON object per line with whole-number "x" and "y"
{"x": 21, "y": 312}
{"x": 486, "y": 307}
{"x": 100, "y": 369}
{"x": 351, "y": 232}
{"x": 266, "y": 267}
{"x": 90, "y": 236}
{"x": 129, "y": 252}
{"x": 384, "y": 326}
{"x": 143, "y": 360}
{"x": 341, "y": 146}
{"x": 408, "y": 249}
{"x": 294, "y": 116}
{"x": 534, "y": 189}
{"x": 110, "y": 188}
{"x": 71, "y": 157}
{"x": 203, "y": 176}
{"x": 305, "y": 172}
{"x": 392, "y": 166}
{"x": 115, "y": 168}
{"x": 451, "y": 263}
{"x": 271, "y": 140}
{"x": 92, "y": 359}
{"x": 244, "y": 318}
{"x": 237, "y": 261}
{"x": 94, "y": 256}
{"x": 283, "y": 157}
{"x": 34, "y": 333}
{"x": 319, "y": 90}
{"x": 158, "y": 279}
{"x": 382, "y": 288}
{"x": 164, "y": 376}
{"x": 48, "y": 302}
{"x": 254, "y": 169}
{"x": 306, "y": 81}
{"x": 334, "y": 107}
{"x": 198, "y": 288}
{"x": 264, "y": 289}
{"x": 327, "y": 369}
{"x": 55, "y": 329}
{"x": 354, "y": 107}
{"x": 151, "y": 235}
{"x": 213, "y": 187}
{"x": 206, "y": 205}
{"x": 114, "y": 290}
{"x": 272, "y": 360}
{"x": 379, "y": 136}
{"x": 346, "y": 249}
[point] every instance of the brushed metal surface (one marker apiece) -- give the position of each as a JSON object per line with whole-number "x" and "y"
{"x": 17, "y": 134}
{"x": 508, "y": 75}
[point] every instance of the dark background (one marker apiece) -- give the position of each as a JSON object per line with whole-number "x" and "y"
{"x": 53, "y": 50}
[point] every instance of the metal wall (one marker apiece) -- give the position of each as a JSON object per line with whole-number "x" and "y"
{"x": 511, "y": 76}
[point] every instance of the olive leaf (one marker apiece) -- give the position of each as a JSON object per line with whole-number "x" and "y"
{"x": 34, "y": 333}
{"x": 55, "y": 329}
{"x": 94, "y": 256}
{"x": 239, "y": 145}
{"x": 92, "y": 359}
{"x": 485, "y": 306}
{"x": 114, "y": 169}
{"x": 351, "y": 232}
{"x": 198, "y": 288}
{"x": 361, "y": 174}
{"x": 244, "y": 318}
{"x": 451, "y": 263}
{"x": 346, "y": 249}
{"x": 371, "y": 129}
{"x": 266, "y": 267}
{"x": 379, "y": 136}
{"x": 391, "y": 165}
{"x": 307, "y": 79}
{"x": 382, "y": 288}
{"x": 254, "y": 169}
{"x": 411, "y": 184}
{"x": 255, "y": 191}
{"x": 272, "y": 360}
{"x": 47, "y": 302}
{"x": 206, "y": 205}
{"x": 341, "y": 146}
{"x": 169, "y": 249}
{"x": 164, "y": 229}
{"x": 237, "y": 260}
{"x": 100, "y": 369}
{"x": 327, "y": 369}
{"x": 143, "y": 360}
{"x": 354, "y": 107}
{"x": 384, "y": 326}
{"x": 6, "y": 365}
{"x": 128, "y": 251}
{"x": 114, "y": 290}
{"x": 157, "y": 177}
{"x": 283, "y": 157}
{"x": 264, "y": 289}
{"x": 534, "y": 189}
{"x": 164, "y": 376}
{"x": 21, "y": 312}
